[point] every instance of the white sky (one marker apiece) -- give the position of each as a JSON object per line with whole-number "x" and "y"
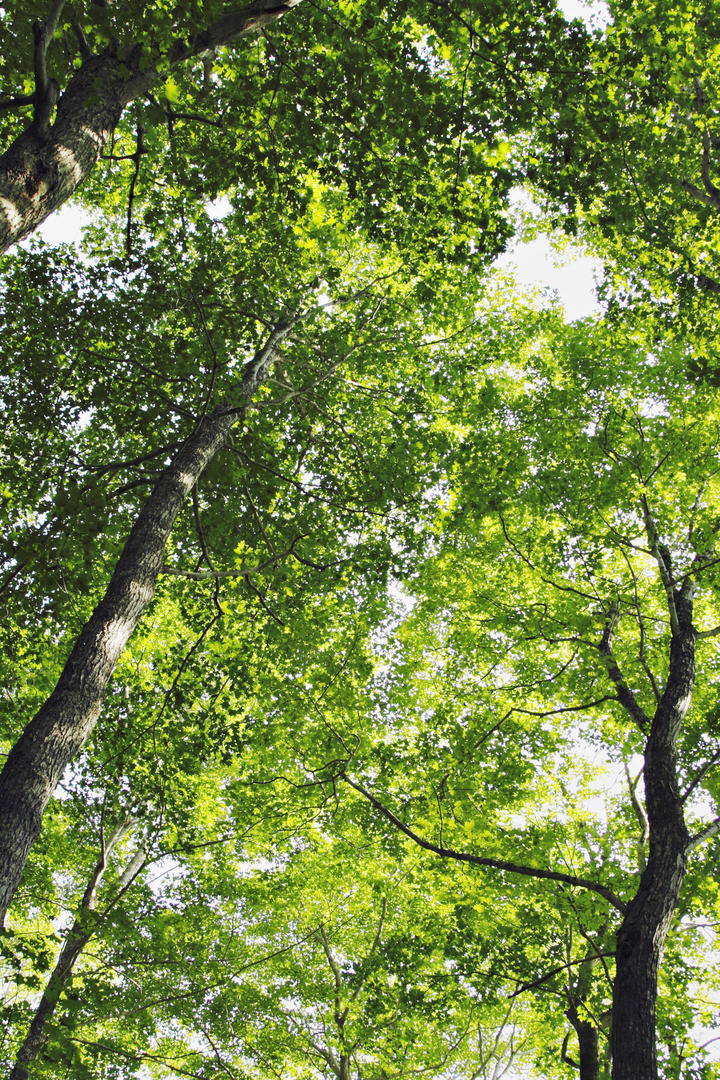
{"x": 571, "y": 275}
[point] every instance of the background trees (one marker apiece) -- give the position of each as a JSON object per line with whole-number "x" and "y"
{"x": 441, "y": 551}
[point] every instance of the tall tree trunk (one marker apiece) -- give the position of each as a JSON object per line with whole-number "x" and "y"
{"x": 57, "y": 732}
{"x": 642, "y": 933}
{"x": 42, "y": 168}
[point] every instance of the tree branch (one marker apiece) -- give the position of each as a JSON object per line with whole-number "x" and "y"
{"x": 624, "y": 694}
{"x": 139, "y": 151}
{"x": 47, "y": 90}
{"x": 241, "y": 21}
{"x": 705, "y": 834}
{"x": 18, "y": 102}
{"x": 247, "y": 571}
{"x": 700, "y": 774}
{"x": 556, "y": 971}
{"x": 640, "y": 815}
{"x": 82, "y": 929}
{"x": 662, "y": 558}
{"x": 481, "y": 860}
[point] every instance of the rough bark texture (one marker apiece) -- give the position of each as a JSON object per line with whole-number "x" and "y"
{"x": 38, "y": 759}
{"x": 589, "y": 1047}
{"x": 46, "y": 163}
{"x": 642, "y": 933}
{"x": 588, "y": 1063}
{"x": 42, "y": 169}
{"x": 53, "y": 737}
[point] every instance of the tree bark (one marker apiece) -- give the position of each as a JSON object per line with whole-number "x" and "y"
{"x": 588, "y": 1063}
{"x": 58, "y": 731}
{"x": 55, "y": 735}
{"x": 79, "y": 935}
{"x": 642, "y": 933}
{"x": 42, "y": 168}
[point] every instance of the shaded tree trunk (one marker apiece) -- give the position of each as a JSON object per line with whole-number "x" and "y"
{"x": 588, "y": 1063}
{"x": 643, "y": 930}
{"x": 588, "y": 1036}
{"x": 42, "y": 168}
{"x": 55, "y": 735}
{"x": 78, "y": 937}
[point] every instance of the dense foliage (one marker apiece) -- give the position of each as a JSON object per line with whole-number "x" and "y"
{"x": 387, "y": 742}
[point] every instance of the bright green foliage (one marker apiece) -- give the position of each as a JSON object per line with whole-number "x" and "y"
{"x": 628, "y": 156}
{"x": 504, "y": 736}
{"x": 398, "y": 570}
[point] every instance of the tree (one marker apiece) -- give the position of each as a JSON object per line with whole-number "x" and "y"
{"x": 349, "y": 94}
{"x": 562, "y": 626}
{"x": 60, "y": 728}
{"x": 627, "y": 160}
{"x": 324, "y": 400}
{"x": 215, "y": 395}
{"x": 69, "y": 130}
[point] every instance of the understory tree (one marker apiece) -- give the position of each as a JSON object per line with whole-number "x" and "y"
{"x": 566, "y": 626}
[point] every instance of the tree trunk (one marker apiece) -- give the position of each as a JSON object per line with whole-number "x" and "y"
{"x": 79, "y": 935}
{"x": 589, "y": 1060}
{"x": 52, "y": 739}
{"x": 46, "y": 164}
{"x": 42, "y": 168}
{"x": 643, "y": 930}
{"x": 57, "y": 732}
{"x": 588, "y": 1063}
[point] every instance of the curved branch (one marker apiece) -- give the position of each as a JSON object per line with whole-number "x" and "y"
{"x": 481, "y": 860}
{"x": 624, "y": 694}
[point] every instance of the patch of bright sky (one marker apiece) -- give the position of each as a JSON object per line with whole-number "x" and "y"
{"x": 569, "y": 274}
{"x": 536, "y": 264}
{"x": 594, "y": 13}
{"x": 64, "y": 226}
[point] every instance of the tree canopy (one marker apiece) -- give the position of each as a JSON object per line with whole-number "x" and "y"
{"x": 359, "y": 610}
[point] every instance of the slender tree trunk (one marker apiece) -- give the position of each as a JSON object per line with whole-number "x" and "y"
{"x": 42, "y": 168}
{"x": 78, "y": 936}
{"x": 587, "y": 1035}
{"x": 57, "y": 732}
{"x": 643, "y": 930}
{"x": 588, "y": 1063}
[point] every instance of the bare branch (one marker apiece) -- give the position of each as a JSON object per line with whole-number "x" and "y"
{"x": 139, "y": 151}
{"x": 47, "y": 90}
{"x": 546, "y": 580}
{"x": 245, "y": 20}
{"x": 705, "y": 834}
{"x": 247, "y": 571}
{"x": 662, "y": 558}
{"x": 18, "y": 102}
{"x": 640, "y": 815}
{"x": 213, "y": 122}
{"x": 556, "y": 971}
{"x": 641, "y": 626}
{"x": 700, "y": 774}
